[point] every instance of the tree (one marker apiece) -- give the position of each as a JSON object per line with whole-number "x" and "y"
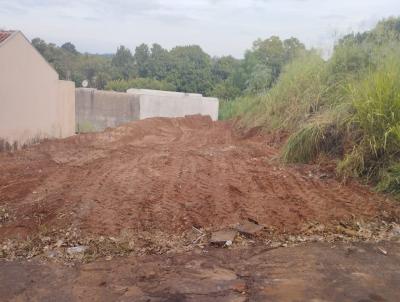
{"x": 270, "y": 53}
{"x": 260, "y": 80}
{"x": 190, "y": 69}
{"x": 185, "y": 68}
{"x": 159, "y": 62}
{"x": 224, "y": 67}
{"x": 40, "y": 45}
{"x": 141, "y": 60}
{"x": 144, "y": 83}
{"x": 123, "y": 62}
{"x": 293, "y": 48}
{"x": 69, "y": 47}
{"x": 263, "y": 64}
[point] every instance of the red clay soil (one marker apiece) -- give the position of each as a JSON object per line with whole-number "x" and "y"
{"x": 307, "y": 273}
{"x": 169, "y": 175}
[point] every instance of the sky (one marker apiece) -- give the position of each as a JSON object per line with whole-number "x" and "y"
{"x": 220, "y": 27}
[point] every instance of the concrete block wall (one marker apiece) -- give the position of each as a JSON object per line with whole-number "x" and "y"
{"x": 97, "y": 110}
{"x": 154, "y": 103}
{"x": 210, "y": 106}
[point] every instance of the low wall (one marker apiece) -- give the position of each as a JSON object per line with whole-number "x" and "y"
{"x": 167, "y": 106}
{"x": 97, "y": 110}
{"x": 210, "y": 106}
{"x": 154, "y": 103}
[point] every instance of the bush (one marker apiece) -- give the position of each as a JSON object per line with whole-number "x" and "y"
{"x": 141, "y": 83}
{"x": 390, "y": 180}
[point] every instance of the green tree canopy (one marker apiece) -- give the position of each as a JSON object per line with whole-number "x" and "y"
{"x": 123, "y": 62}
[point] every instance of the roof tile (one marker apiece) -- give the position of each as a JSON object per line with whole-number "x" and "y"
{"x": 5, "y": 34}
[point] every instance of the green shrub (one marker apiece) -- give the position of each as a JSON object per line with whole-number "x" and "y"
{"x": 141, "y": 83}
{"x": 390, "y": 180}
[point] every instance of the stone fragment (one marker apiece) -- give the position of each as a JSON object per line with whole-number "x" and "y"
{"x": 223, "y": 236}
{"x": 382, "y": 250}
{"x": 249, "y": 228}
{"x": 239, "y": 286}
{"x": 80, "y": 249}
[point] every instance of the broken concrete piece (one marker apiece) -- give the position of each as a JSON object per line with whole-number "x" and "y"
{"x": 223, "y": 236}
{"x": 80, "y": 249}
{"x": 395, "y": 232}
{"x": 383, "y": 251}
{"x": 249, "y": 228}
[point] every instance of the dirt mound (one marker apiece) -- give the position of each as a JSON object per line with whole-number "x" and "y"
{"x": 167, "y": 175}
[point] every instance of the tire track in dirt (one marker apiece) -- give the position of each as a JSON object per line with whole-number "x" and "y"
{"x": 170, "y": 174}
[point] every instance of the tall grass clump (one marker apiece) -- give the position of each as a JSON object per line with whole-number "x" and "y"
{"x": 375, "y": 125}
{"x": 390, "y": 180}
{"x": 347, "y": 107}
{"x": 298, "y": 95}
{"x": 240, "y": 107}
{"x": 305, "y": 144}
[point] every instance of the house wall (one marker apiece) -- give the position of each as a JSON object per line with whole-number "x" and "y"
{"x": 29, "y": 95}
{"x": 66, "y": 108}
{"x": 97, "y": 110}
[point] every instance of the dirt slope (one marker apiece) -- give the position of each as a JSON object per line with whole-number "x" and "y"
{"x": 167, "y": 175}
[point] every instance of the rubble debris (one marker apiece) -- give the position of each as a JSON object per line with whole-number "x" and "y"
{"x": 52, "y": 254}
{"x": 80, "y": 249}
{"x": 395, "y": 232}
{"x": 347, "y": 231}
{"x": 223, "y": 236}
{"x": 383, "y": 251}
{"x": 249, "y": 228}
{"x": 4, "y": 215}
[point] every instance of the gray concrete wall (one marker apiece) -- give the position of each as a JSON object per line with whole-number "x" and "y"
{"x": 97, "y": 110}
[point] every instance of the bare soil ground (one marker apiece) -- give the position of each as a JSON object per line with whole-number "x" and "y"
{"x": 169, "y": 175}
{"x": 161, "y": 187}
{"x": 314, "y": 272}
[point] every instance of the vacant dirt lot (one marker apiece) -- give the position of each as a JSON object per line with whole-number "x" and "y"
{"x": 153, "y": 191}
{"x": 167, "y": 175}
